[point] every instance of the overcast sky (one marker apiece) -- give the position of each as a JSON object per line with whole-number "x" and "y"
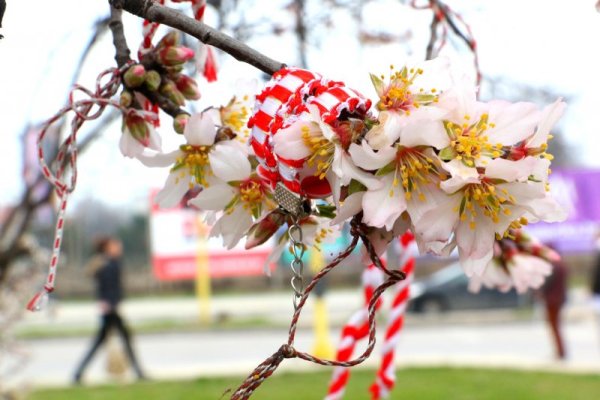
{"x": 547, "y": 43}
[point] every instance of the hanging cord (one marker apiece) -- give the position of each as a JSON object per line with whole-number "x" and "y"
{"x": 287, "y": 350}
{"x": 87, "y": 109}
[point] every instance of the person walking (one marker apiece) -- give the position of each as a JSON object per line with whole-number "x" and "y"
{"x": 105, "y": 267}
{"x": 554, "y": 293}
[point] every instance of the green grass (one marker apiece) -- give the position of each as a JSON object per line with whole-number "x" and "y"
{"x": 413, "y": 383}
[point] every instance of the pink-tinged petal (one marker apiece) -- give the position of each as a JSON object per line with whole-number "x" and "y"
{"x": 493, "y": 277}
{"x": 213, "y": 197}
{"x": 511, "y": 171}
{"x": 514, "y": 122}
{"x": 425, "y": 133}
{"x": 475, "y": 245}
{"x": 229, "y": 164}
{"x": 274, "y": 256}
{"x": 152, "y": 158}
{"x": 460, "y": 175}
{"x": 545, "y": 209}
{"x": 345, "y": 169}
{"x": 388, "y": 130}
{"x": 474, "y": 266}
{"x": 129, "y": 146}
{"x": 529, "y": 272}
{"x": 460, "y": 100}
{"x": 433, "y": 197}
{"x": 289, "y": 144}
{"x": 437, "y": 224}
{"x": 550, "y": 115}
{"x": 200, "y": 130}
{"x": 175, "y": 188}
{"x": 368, "y": 159}
{"x": 381, "y": 207}
{"x": 351, "y": 206}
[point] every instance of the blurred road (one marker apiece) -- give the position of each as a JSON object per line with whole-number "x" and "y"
{"x": 474, "y": 341}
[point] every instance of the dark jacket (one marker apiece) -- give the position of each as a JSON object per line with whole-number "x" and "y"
{"x": 596, "y": 277}
{"x": 108, "y": 282}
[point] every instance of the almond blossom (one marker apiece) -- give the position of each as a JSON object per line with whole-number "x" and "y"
{"x": 408, "y": 102}
{"x": 522, "y": 271}
{"x": 485, "y": 205}
{"x": 242, "y": 197}
{"x": 202, "y": 161}
{"x": 138, "y": 135}
{"x": 322, "y": 149}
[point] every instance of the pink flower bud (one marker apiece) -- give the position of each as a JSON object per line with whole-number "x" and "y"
{"x": 174, "y": 55}
{"x": 188, "y": 87}
{"x": 169, "y": 90}
{"x": 170, "y": 39}
{"x": 134, "y": 76}
{"x": 153, "y": 80}
{"x": 179, "y": 122}
{"x": 137, "y": 127}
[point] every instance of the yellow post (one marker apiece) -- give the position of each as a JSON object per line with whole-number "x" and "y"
{"x": 203, "y": 273}
{"x": 323, "y": 348}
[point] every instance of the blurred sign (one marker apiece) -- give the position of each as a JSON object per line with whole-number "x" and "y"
{"x": 578, "y": 191}
{"x": 175, "y": 235}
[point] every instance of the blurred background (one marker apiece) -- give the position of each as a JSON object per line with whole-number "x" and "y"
{"x": 199, "y": 311}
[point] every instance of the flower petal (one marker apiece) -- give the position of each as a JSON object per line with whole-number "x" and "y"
{"x": 381, "y": 207}
{"x": 213, "y": 197}
{"x": 511, "y": 171}
{"x": 129, "y": 146}
{"x": 365, "y": 157}
{"x": 550, "y": 115}
{"x": 200, "y": 130}
{"x": 388, "y": 130}
{"x": 173, "y": 191}
{"x": 289, "y": 144}
{"x": 460, "y": 175}
{"x": 152, "y": 158}
{"x": 229, "y": 163}
{"x": 514, "y": 122}
{"x": 345, "y": 169}
{"x": 351, "y": 206}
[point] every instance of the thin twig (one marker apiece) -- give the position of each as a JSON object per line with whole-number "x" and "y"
{"x": 155, "y": 12}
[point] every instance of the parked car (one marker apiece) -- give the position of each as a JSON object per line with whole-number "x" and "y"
{"x": 447, "y": 290}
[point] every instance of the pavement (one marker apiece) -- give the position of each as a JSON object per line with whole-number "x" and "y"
{"x": 481, "y": 339}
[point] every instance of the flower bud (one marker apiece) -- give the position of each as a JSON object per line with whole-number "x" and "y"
{"x": 153, "y": 80}
{"x": 188, "y": 87}
{"x": 169, "y": 90}
{"x": 170, "y": 39}
{"x": 175, "y": 55}
{"x": 126, "y": 98}
{"x": 179, "y": 122}
{"x": 137, "y": 127}
{"x": 134, "y": 76}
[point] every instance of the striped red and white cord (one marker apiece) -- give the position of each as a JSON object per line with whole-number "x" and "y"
{"x": 85, "y": 109}
{"x": 386, "y": 375}
{"x": 356, "y": 329}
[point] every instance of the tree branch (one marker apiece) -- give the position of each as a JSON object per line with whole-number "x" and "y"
{"x": 122, "y": 53}
{"x": 154, "y": 12}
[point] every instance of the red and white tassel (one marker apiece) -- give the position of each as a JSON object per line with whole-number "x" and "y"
{"x": 356, "y": 329}
{"x": 386, "y": 375}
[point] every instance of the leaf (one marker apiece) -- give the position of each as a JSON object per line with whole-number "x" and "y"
{"x": 378, "y": 84}
{"x": 389, "y": 168}
{"x": 447, "y": 154}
